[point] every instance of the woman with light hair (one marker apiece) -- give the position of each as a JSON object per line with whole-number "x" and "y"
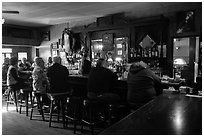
{"x": 143, "y": 85}
{"x": 40, "y": 81}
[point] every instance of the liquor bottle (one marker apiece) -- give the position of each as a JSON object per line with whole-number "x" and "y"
{"x": 131, "y": 52}
{"x": 156, "y": 52}
{"x": 153, "y": 52}
{"x": 138, "y": 52}
{"x": 150, "y": 54}
{"x": 135, "y": 54}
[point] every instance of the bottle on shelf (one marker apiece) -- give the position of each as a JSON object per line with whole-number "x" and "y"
{"x": 150, "y": 53}
{"x": 156, "y": 52}
{"x": 138, "y": 52}
{"x": 131, "y": 53}
{"x": 153, "y": 51}
{"x": 135, "y": 54}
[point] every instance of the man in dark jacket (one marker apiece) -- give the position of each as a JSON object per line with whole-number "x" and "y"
{"x": 58, "y": 77}
{"x": 86, "y": 65}
{"x": 141, "y": 85}
{"x": 100, "y": 83}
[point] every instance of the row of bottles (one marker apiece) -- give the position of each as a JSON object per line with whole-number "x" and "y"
{"x": 141, "y": 52}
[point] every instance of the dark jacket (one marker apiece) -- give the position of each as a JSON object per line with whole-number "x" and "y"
{"x": 86, "y": 67}
{"x": 58, "y": 77}
{"x": 101, "y": 80}
{"x": 141, "y": 86}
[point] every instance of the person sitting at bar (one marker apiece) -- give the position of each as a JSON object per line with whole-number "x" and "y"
{"x": 100, "y": 83}
{"x": 58, "y": 76}
{"x": 13, "y": 78}
{"x": 40, "y": 80}
{"x": 143, "y": 85}
{"x": 86, "y": 65}
{"x": 24, "y": 65}
{"x": 49, "y": 62}
{"x": 5, "y": 67}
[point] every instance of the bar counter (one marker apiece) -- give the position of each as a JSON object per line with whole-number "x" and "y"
{"x": 168, "y": 114}
{"x": 79, "y": 85}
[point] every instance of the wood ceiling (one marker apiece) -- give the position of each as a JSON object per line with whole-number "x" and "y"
{"x": 38, "y": 14}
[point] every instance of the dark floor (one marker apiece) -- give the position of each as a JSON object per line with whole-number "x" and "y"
{"x": 14, "y": 123}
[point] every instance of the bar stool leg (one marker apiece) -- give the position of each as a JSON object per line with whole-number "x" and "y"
{"x": 16, "y": 99}
{"x": 8, "y": 100}
{"x": 20, "y": 103}
{"x": 32, "y": 106}
{"x": 62, "y": 109}
{"x": 51, "y": 107}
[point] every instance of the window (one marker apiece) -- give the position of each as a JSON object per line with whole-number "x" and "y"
{"x": 6, "y": 53}
{"x": 22, "y": 55}
{"x": 6, "y": 50}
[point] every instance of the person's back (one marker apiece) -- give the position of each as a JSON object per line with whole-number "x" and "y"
{"x": 13, "y": 78}
{"x": 100, "y": 83}
{"x": 101, "y": 80}
{"x": 5, "y": 67}
{"x": 86, "y": 65}
{"x": 40, "y": 81}
{"x": 141, "y": 86}
{"x": 58, "y": 77}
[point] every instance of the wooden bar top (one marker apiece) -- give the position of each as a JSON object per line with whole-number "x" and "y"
{"x": 168, "y": 114}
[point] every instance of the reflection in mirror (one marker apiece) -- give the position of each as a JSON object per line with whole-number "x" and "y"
{"x": 180, "y": 55}
{"x": 186, "y": 57}
{"x": 181, "y": 51}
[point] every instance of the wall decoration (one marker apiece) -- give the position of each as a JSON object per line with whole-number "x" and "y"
{"x": 185, "y": 21}
{"x": 46, "y": 36}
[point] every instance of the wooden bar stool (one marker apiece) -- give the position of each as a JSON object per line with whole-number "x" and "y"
{"x": 59, "y": 99}
{"x": 12, "y": 97}
{"x": 25, "y": 93}
{"x": 93, "y": 114}
{"x": 73, "y": 111}
{"x": 39, "y": 106}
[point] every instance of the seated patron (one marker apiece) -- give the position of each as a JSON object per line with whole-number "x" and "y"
{"x": 5, "y": 67}
{"x": 143, "y": 85}
{"x": 58, "y": 76}
{"x": 40, "y": 80}
{"x": 13, "y": 78}
{"x": 49, "y": 62}
{"x": 86, "y": 65}
{"x": 100, "y": 83}
{"x": 24, "y": 65}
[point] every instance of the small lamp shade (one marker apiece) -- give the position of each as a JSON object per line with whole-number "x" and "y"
{"x": 180, "y": 62}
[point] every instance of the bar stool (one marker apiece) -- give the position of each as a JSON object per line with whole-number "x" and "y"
{"x": 39, "y": 100}
{"x": 25, "y": 93}
{"x": 73, "y": 111}
{"x": 59, "y": 99}
{"x": 12, "y": 97}
{"x": 93, "y": 113}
